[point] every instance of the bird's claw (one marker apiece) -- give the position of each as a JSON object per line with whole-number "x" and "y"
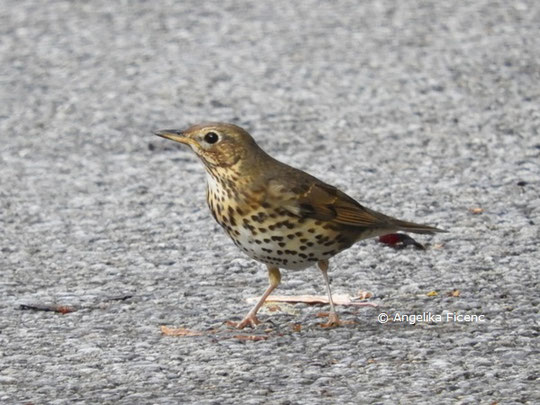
{"x": 251, "y": 321}
{"x": 334, "y": 321}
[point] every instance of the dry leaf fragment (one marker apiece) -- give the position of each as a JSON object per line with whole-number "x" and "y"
{"x": 282, "y": 307}
{"x": 273, "y": 308}
{"x": 432, "y": 294}
{"x": 339, "y": 299}
{"x": 454, "y": 293}
{"x": 63, "y": 309}
{"x": 476, "y": 210}
{"x": 181, "y": 332}
{"x": 250, "y": 337}
{"x": 363, "y": 295}
{"x": 296, "y": 327}
{"x": 322, "y": 314}
{"x": 188, "y": 332}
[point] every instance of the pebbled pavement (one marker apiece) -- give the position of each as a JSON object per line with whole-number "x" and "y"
{"x": 424, "y": 110}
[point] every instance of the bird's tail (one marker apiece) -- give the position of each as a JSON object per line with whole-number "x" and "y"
{"x": 416, "y": 228}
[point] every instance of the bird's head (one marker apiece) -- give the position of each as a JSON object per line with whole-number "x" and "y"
{"x": 217, "y": 144}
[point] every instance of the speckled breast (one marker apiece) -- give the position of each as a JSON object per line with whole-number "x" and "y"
{"x": 272, "y": 235}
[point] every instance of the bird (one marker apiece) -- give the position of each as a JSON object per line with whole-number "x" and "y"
{"x": 276, "y": 214}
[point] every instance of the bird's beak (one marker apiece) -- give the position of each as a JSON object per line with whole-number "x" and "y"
{"x": 175, "y": 135}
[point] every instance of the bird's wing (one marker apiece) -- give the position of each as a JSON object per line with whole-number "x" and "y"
{"x": 324, "y": 202}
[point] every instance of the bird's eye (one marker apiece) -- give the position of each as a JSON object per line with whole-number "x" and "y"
{"x": 211, "y": 137}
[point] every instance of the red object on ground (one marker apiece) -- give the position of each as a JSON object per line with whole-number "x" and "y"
{"x": 399, "y": 241}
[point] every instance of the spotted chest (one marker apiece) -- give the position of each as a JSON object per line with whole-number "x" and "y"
{"x": 270, "y": 234}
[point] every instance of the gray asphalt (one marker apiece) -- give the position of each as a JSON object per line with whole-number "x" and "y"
{"x": 428, "y": 111}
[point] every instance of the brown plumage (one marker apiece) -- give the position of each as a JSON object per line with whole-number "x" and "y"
{"x": 279, "y": 215}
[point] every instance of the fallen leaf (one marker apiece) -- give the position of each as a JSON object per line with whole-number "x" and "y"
{"x": 296, "y": 327}
{"x": 339, "y": 299}
{"x": 250, "y": 337}
{"x": 363, "y": 295}
{"x": 341, "y": 323}
{"x": 181, "y": 332}
{"x": 476, "y": 210}
{"x": 454, "y": 293}
{"x": 322, "y": 314}
{"x": 64, "y": 309}
{"x": 432, "y": 294}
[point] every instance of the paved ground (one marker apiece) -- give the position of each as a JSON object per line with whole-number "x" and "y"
{"x": 424, "y": 110}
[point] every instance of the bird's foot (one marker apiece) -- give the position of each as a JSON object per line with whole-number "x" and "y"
{"x": 250, "y": 320}
{"x": 333, "y": 321}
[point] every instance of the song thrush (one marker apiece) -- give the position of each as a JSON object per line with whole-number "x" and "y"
{"x": 276, "y": 214}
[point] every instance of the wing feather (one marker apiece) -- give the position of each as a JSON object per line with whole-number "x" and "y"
{"x": 326, "y": 203}
{"x": 314, "y": 199}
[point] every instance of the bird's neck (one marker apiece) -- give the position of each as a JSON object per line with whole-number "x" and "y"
{"x": 226, "y": 179}
{"x": 239, "y": 189}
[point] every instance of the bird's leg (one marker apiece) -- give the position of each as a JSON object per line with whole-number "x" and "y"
{"x": 333, "y": 319}
{"x": 274, "y": 276}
